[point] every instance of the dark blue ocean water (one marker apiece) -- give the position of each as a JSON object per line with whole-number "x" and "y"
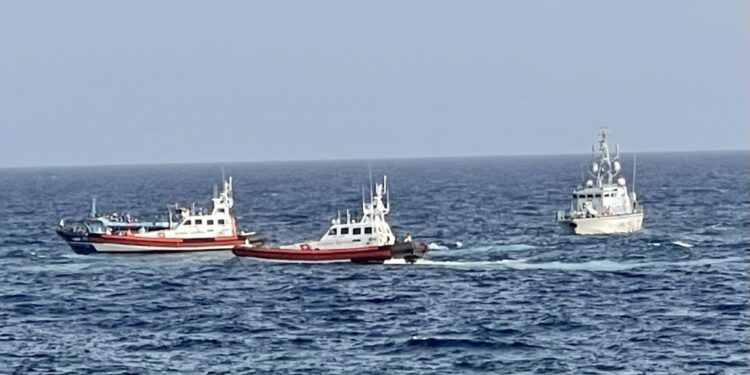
{"x": 502, "y": 290}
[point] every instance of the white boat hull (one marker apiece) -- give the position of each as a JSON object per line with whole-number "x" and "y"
{"x": 125, "y": 248}
{"x": 618, "y": 224}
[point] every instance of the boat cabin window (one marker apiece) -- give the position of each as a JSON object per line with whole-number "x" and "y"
{"x": 345, "y": 230}
{"x": 187, "y": 222}
{"x": 589, "y": 196}
{"x": 221, "y": 210}
{"x": 221, "y": 221}
{"x": 356, "y": 231}
{"x": 332, "y": 232}
{"x": 368, "y": 230}
{"x": 209, "y": 222}
{"x": 198, "y": 222}
{"x": 597, "y": 195}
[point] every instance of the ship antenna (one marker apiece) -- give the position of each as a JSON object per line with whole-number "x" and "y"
{"x": 369, "y": 168}
{"x": 583, "y": 178}
{"x": 223, "y": 178}
{"x": 634, "y": 165}
{"x": 387, "y": 193}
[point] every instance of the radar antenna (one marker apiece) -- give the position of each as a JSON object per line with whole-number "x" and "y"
{"x": 369, "y": 169}
{"x": 634, "y": 165}
{"x": 387, "y": 193}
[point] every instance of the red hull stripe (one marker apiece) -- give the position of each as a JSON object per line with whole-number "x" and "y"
{"x": 368, "y": 253}
{"x": 167, "y": 242}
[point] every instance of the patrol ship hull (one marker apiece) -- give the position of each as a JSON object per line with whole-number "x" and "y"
{"x": 304, "y": 254}
{"x": 616, "y": 224}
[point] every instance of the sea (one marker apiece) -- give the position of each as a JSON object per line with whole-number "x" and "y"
{"x": 502, "y": 290}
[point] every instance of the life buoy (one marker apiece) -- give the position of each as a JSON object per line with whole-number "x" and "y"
{"x": 161, "y": 234}
{"x": 304, "y": 246}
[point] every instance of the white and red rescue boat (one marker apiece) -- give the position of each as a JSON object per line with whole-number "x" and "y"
{"x": 369, "y": 240}
{"x": 214, "y": 230}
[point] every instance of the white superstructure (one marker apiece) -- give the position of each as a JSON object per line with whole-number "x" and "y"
{"x": 197, "y": 223}
{"x": 371, "y": 229}
{"x": 194, "y": 230}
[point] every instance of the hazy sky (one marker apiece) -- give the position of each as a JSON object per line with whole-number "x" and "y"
{"x": 102, "y": 82}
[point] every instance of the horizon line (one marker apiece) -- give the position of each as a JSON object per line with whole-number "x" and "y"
{"x": 352, "y": 159}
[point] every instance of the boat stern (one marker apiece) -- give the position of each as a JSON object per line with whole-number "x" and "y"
{"x": 409, "y": 251}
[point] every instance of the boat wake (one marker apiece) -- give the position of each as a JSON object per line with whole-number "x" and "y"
{"x": 456, "y": 263}
{"x": 514, "y": 247}
{"x": 603, "y": 265}
{"x": 438, "y": 246}
{"x": 497, "y": 247}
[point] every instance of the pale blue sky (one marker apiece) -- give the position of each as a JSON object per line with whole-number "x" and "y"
{"x": 105, "y": 82}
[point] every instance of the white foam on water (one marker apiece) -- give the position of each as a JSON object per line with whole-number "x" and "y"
{"x": 61, "y": 267}
{"x": 682, "y": 244}
{"x": 515, "y": 247}
{"x": 397, "y": 261}
{"x": 444, "y": 246}
{"x": 497, "y": 247}
{"x": 451, "y": 263}
{"x": 593, "y": 265}
{"x": 436, "y": 246}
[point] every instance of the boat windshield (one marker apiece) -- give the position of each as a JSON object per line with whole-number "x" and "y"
{"x": 95, "y": 227}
